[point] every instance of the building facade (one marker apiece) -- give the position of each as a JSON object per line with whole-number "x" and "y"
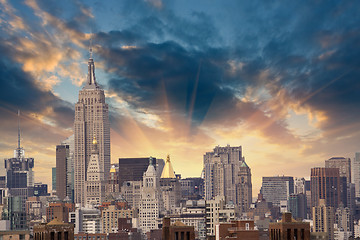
{"x": 221, "y": 167}
{"x": 91, "y": 120}
{"x": 276, "y": 189}
{"x": 244, "y": 189}
{"x": 323, "y": 219}
{"x": 325, "y": 184}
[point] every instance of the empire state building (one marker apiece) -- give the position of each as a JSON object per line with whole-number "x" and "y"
{"x": 91, "y": 120}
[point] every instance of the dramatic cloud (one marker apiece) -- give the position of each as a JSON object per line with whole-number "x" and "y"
{"x": 184, "y": 76}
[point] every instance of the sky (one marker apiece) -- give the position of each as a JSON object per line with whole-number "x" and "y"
{"x": 279, "y": 78}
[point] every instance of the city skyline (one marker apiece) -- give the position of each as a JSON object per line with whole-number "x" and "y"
{"x": 280, "y": 80}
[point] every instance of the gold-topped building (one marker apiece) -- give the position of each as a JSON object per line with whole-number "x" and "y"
{"x": 170, "y": 187}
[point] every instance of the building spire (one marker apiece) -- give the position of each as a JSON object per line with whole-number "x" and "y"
{"x": 19, "y": 152}
{"x": 91, "y": 80}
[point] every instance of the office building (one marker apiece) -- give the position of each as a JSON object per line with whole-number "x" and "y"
{"x": 33, "y": 209}
{"x": 323, "y": 218}
{"x": 289, "y": 229}
{"x": 59, "y": 210}
{"x": 344, "y": 165}
{"x": 299, "y": 185}
{"x": 244, "y": 188}
{"x": 110, "y": 215}
{"x": 131, "y": 191}
{"x": 86, "y": 220}
{"x": 222, "y": 167}
{"x": 91, "y": 120}
{"x": 277, "y": 188}
{"x": 40, "y": 189}
{"x": 65, "y": 169}
{"x": 192, "y": 188}
{"x": 325, "y": 184}
{"x": 297, "y": 205}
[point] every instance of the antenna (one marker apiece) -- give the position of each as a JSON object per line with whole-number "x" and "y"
{"x": 90, "y": 47}
{"x": 19, "y": 129}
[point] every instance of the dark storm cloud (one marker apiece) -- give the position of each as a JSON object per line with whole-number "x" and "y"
{"x": 19, "y": 91}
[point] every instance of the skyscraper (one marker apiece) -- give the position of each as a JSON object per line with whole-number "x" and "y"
{"x": 62, "y": 155}
{"x": 19, "y": 173}
{"x": 323, "y": 217}
{"x": 91, "y": 120}
{"x": 222, "y": 168}
{"x": 325, "y": 184}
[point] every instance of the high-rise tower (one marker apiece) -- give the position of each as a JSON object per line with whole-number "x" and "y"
{"x": 91, "y": 120}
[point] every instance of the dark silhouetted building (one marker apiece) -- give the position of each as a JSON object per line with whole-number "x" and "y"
{"x": 192, "y": 188}
{"x": 297, "y": 205}
{"x": 132, "y": 169}
{"x": 41, "y": 189}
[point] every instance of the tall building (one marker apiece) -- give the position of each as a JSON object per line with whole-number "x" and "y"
{"x": 325, "y": 184}
{"x": 276, "y": 189}
{"x": 297, "y": 205}
{"x": 91, "y": 120}
{"x": 355, "y": 173}
{"x": 244, "y": 190}
{"x": 95, "y": 182}
{"x": 323, "y": 219}
{"x": 62, "y": 155}
{"x": 344, "y": 166}
{"x": 53, "y": 179}
{"x": 19, "y": 180}
{"x": 344, "y": 222}
{"x": 150, "y": 202}
{"x": 222, "y": 168}
{"x": 170, "y": 187}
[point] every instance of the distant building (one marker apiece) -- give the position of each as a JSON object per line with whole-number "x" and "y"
{"x": 60, "y": 211}
{"x": 289, "y": 229}
{"x": 222, "y": 167}
{"x": 25, "y": 235}
{"x": 323, "y": 218}
{"x": 239, "y": 230}
{"x": 170, "y": 188}
{"x": 53, "y": 179}
{"x": 55, "y": 230}
{"x": 65, "y": 169}
{"x": 297, "y": 205}
{"x": 244, "y": 188}
{"x": 192, "y": 188}
{"x": 177, "y": 231}
{"x": 325, "y": 184}
{"x": 33, "y": 208}
{"x": 15, "y": 213}
{"x": 112, "y": 184}
{"x": 344, "y": 222}
{"x": 86, "y": 220}
{"x": 151, "y": 200}
{"x": 277, "y": 188}
{"x": 110, "y": 216}
{"x": 133, "y": 169}
{"x": 41, "y": 189}
{"x": 344, "y": 166}
{"x": 131, "y": 191}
